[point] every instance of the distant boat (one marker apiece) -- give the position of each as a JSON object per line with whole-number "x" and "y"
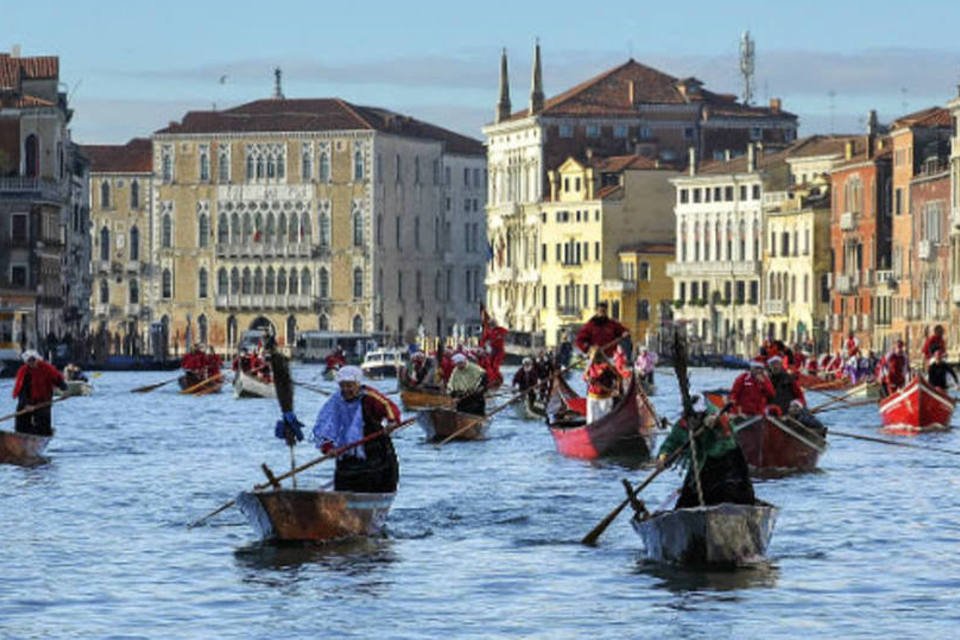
{"x": 75, "y": 388}
{"x": 315, "y": 516}
{"x": 384, "y": 362}
{"x": 440, "y": 423}
{"x": 247, "y": 385}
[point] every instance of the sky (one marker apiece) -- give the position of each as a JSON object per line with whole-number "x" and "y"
{"x": 132, "y": 67}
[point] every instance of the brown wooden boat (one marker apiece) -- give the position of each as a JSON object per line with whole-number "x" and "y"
{"x": 628, "y": 430}
{"x": 775, "y": 446}
{"x": 190, "y": 383}
{"x": 440, "y": 424}
{"x": 22, "y": 448}
{"x": 315, "y": 516}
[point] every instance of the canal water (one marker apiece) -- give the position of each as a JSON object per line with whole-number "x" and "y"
{"x": 482, "y": 541}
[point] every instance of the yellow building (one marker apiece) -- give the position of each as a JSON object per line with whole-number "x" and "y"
{"x": 595, "y": 208}
{"x": 642, "y": 296}
{"x": 120, "y": 180}
{"x": 308, "y": 214}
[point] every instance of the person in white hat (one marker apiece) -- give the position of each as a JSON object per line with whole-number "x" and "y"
{"x": 468, "y": 383}
{"x": 354, "y": 412}
{"x": 33, "y": 391}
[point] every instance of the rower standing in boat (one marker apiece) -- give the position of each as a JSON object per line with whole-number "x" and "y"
{"x": 34, "y": 386}
{"x": 895, "y": 370}
{"x": 938, "y": 370}
{"x": 422, "y": 371}
{"x": 357, "y": 411}
{"x": 752, "y": 390}
{"x": 600, "y": 331}
{"x": 646, "y": 364}
{"x": 603, "y": 383}
{"x": 526, "y": 377}
{"x": 785, "y": 387}
{"x": 934, "y": 342}
{"x": 73, "y": 373}
{"x": 468, "y": 383}
{"x": 723, "y": 471}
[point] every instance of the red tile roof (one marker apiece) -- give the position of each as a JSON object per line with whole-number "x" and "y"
{"x": 608, "y": 94}
{"x": 21, "y": 102}
{"x": 33, "y": 68}
{"x": 317, "y": 114}
{"x": 811, "y": 146}
{"x": 136, "y": 156}
{"x": 929, "y": 117}
{"x": 608, "y": 191}
{"x": 616, "y": 164}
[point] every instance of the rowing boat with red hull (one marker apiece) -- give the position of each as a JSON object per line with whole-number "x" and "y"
{"x": 917, "y": 407}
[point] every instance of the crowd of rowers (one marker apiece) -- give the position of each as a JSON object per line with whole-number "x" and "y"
{"x": 892, "y": 371}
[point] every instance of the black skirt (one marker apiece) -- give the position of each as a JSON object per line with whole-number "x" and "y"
{"x": 723, "y": 479}
{"x": 378, "y": 473}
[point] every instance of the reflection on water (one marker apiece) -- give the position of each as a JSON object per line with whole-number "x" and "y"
{"x": 682, "y": 580}
{"x": 352, "y": 557}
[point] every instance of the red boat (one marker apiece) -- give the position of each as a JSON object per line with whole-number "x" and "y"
{"x": 917, "y": 407}
{"x": 773, "y": 445}
{"x": 626, "y": 431}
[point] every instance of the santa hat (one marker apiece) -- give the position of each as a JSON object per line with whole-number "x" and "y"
{"x": 30, "y": 353}
{"x": 458, "y": 358}
{"x": 774, "y": 359}
{"x": 758, "y": 363}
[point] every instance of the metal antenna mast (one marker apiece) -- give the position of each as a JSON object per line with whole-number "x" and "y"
{"x": 747, "y": 59}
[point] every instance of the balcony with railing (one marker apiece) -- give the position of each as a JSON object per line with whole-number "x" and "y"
{"x": 33, "y": 188}
{"x": 132, "y": 309}
{"x": 886, "y": 278}
{"x": 569, "y": 311}
{"x": 926, "y": 249}
{"x": 252, "y": 302}
{"x": 775, "y": 307}
{"x": 847, "y": 283}
{"x": 848, "y": 221}
{"x": 721, "y": 268}
{"x": 269, "y": 250}
{"x": 619, "y": 285}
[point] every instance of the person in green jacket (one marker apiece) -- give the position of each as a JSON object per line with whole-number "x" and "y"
{"x": 468, "y": 383}
{"x": 724, "y": 475}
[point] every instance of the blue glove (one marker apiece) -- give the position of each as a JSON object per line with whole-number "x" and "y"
{"x": 289, "y": 428}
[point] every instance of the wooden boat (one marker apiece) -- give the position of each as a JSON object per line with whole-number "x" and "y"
{"x": 294, "y": 515}
{"x": 440, "y": 423}
{"x": 816, "y": 383}
{"x": 75, "y": 388}
{"x": 917, "y": 407}
{"x": 246, "y": 385}
{"x": 723, "y": 536}
{"x": 22, "y": 448}
{"x": 774, "y": 446}
{"x": 329, "y": 374}
{"x": 865, "y": 390}
{"x": 626, "y": 431}
{"x": 527, "y": 408}
{"x": 189, "y": 381}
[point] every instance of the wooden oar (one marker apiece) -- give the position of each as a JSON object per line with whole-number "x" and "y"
{"x": 35, "y": 407}
{"x": 846, "y": 404}
{"x": 819, "y": 448}
{"x": 150, "y": 387}
{"x": 680, "y": 367}
{"x": 283, "y": 384}
{"x": 202, "y": 383}
{"x": 834, "y": 398}
{"x": 894, "y": 443}
{"x": 327, "y": 456}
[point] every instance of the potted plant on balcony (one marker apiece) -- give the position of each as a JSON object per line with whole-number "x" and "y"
{"x": 678, "y": 303}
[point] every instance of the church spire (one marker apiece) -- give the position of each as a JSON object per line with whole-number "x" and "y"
{"x": 536, "y": 91}
{"x": 503, "y": 105}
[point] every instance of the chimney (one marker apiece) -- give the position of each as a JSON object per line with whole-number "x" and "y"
{"x": 871, "y": 131}
{"x": 692, "y": 161}
{"x": 503, "y": 104}
{"x": 536, "y": 90}
{"x": 589, "y": 153}
{"x": 632, "y": 92}
{"x": 751, "y": 158}
{"x": 727, "y": 155}
{"x": 15, "y": 51}
{"x": 848, "y": 150}
{"x": 775, "y": 104}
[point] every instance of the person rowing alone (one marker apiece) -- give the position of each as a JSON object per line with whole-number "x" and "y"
{"x": 468, "y": 383}
{"x": 354, "y": 412}
{"x": 723, "y": 472}
{"x": 33, "y": 391}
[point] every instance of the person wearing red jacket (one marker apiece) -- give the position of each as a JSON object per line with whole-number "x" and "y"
{"x": 933, "y": 343}
{"x": 896, "y": 370}
{"x": 752, "y": 390}
{"x": 602, "y": 385}
{"x": 33, "y": 387}
{"x": 493, "y": 336}
{"x": 852, "y": 345}
{"x": 600, "y": 331}
{"x": 621, "y": 364}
